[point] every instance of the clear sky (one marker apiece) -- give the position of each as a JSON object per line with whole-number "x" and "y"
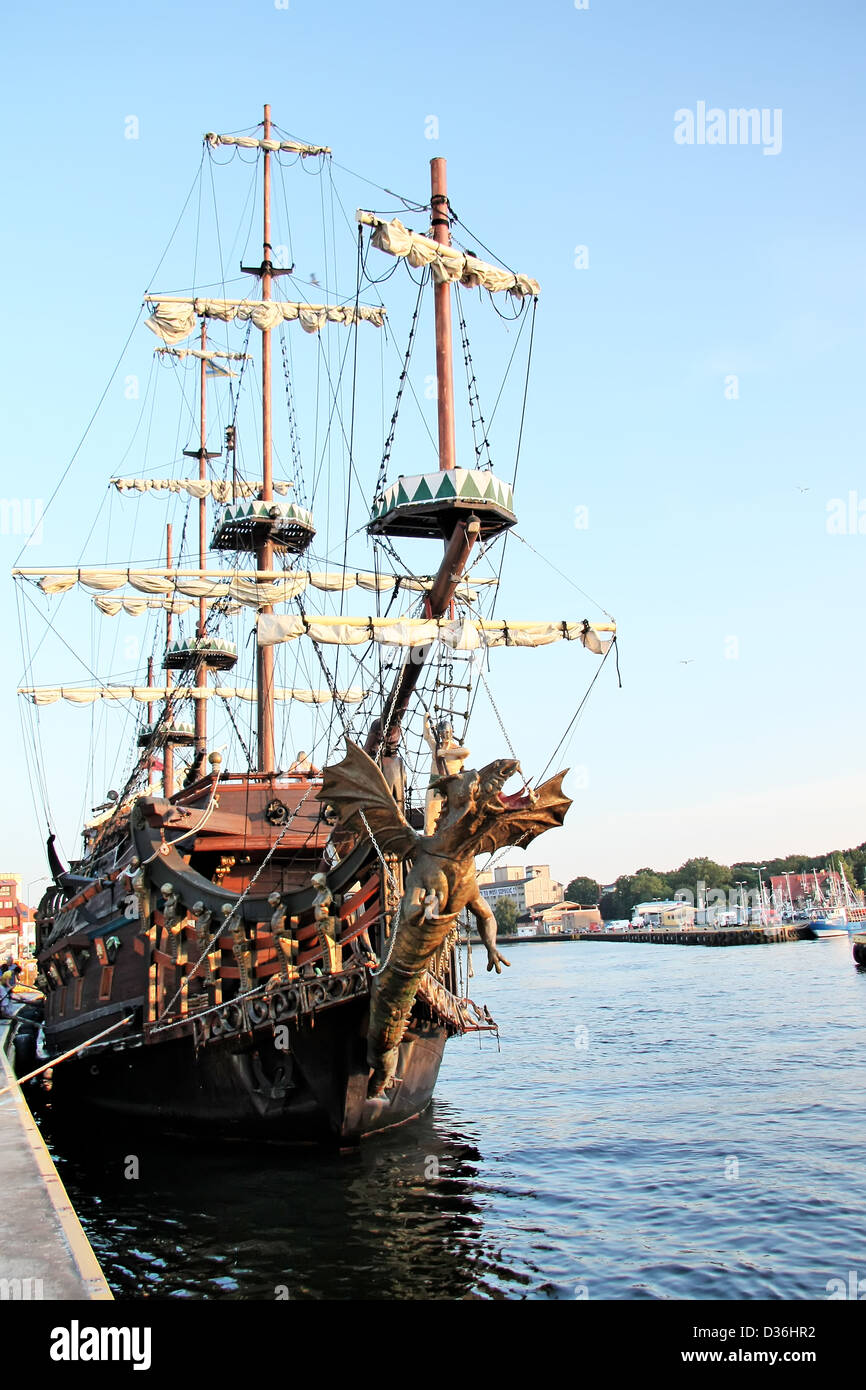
{"x": 696, "y": 379}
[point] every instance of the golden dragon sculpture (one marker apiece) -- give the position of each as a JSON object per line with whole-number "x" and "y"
{"x": 441, "y": 882}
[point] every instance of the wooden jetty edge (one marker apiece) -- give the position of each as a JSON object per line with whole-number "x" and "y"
{"x": 697, "y": 936}
{"x": 44, "y": 1253}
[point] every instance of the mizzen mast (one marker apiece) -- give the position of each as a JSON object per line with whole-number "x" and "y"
{"x": 265, "y": 550}
{"x": 441, "y": 225}
{"x": 201, "y": 453}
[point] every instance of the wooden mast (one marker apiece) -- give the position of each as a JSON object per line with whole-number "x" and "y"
{"x": 201, "y": 668}
{"x": 150, "y": 723}
{"x": 168, "y": 749}
{"x": 265, "y": 552}
{"x": 467, "y": 529}
{"x": 441, "y": 225}
{"x": 201, "y": 453}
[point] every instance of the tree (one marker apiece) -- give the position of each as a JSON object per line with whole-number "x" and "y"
{"x": 505, "y": 912}
{"x": 584, "y": 891}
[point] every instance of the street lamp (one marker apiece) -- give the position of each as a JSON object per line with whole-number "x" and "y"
{"x": 759, "y": 869}
{"x": 740, "y": 883}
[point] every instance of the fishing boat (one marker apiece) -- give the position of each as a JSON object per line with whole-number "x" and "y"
{"x": 837, "y": 913}
{"x": 829, "y": 922}
{"x": 256, "y": 939}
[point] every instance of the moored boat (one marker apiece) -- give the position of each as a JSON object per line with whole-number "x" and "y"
{"x": 274, "y": 951}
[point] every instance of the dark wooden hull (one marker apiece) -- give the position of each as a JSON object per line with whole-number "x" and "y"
{"x": 223, "y": 1038}
{"x": 316, "y": 1093}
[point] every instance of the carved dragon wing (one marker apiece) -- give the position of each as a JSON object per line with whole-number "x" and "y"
{"x": 519, "y": 823}
{"x": 355, "y": 785}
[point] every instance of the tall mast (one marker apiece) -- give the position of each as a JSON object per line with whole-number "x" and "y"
{"x": 441, "y": 225}
{"x": 265, "y": 552}
{"x": 150, "y": 722}
{"x": 467, "y": 529}
{"x": 201, "y": 668}
{"x": 168, "y": 749}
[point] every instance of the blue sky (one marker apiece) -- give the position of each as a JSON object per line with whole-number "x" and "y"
{"x": 707, "y": 515}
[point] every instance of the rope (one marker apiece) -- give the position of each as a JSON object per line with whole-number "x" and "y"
{"x": 73, "y": 1052}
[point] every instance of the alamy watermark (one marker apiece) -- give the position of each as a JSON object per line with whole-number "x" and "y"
{"x": 735, "y": 126}
{"x": 846, "y": 516}
{"x": 22, "y": 516}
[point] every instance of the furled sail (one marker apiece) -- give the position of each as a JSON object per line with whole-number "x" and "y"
{"x": 446, "y": 262}
{"x": 467, "y": 635}
{"x": 220, "y": 489}
{"x": 173, "y": 319}
{"x": 136, "y": 607}
{"x": 153, "y": 694}
{"x": 255, "y": 589}
{"x": 250, "y": 142}
{"x": 207, "y": 355}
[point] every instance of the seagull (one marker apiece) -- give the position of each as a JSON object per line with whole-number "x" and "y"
{"x": 688, "y": 661}
{"x": 314, "y": 280}
{"x": 803, "y": 489}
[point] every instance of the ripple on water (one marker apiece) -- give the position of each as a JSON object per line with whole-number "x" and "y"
{"x": 703, "y": 1141}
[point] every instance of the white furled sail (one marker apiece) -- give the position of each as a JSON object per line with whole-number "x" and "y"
{"x": 446, "y": 263}
{"x": 467, "y": 635}
{"x": 250, "y": 142}
{"x": 173, "y": 319}
{"x": 203, "y": 356}
{"x": 256, "y": 589}
{"x": 137, "y": 607}
{"x": 153, "y": 694}
{"x": 220, "y": 489}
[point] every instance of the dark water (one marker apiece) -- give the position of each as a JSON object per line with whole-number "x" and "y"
{"x": 661, "y": 1122}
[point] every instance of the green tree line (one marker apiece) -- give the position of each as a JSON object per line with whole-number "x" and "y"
{"x": 648, "y": 884}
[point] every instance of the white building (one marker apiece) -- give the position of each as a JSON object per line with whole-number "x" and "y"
{"x": 526, "y": 885}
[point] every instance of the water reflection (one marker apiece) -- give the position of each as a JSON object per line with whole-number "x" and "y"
{"x": 180, "y": 1218}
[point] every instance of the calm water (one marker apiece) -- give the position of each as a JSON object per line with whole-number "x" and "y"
{"x": 660, "y": 1122}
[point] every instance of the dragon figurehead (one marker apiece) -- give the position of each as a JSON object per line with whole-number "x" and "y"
{"x": 476, "y": 819}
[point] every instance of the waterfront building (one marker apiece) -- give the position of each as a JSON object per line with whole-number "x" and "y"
{"x": 526, "y": 885}
{"x": 663, "y": 914}
{"x": 557, "y": 919}
{"x": 17, "y": 929}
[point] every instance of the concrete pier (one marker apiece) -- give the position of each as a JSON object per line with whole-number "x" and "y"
{"x": 704, "y": 936}
{"x": 44, "y": 1253}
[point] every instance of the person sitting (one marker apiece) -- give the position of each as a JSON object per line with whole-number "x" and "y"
{"x": 7, "y": 986}
{"x": 304, "y": 764}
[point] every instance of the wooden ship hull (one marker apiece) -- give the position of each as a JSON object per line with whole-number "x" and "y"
{"x": 195, "y": 1043}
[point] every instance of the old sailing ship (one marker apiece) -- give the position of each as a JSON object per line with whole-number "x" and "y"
{"x": 272, "y": 949}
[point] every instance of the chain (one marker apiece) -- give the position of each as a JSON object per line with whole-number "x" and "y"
{"x": 395, "y": 887}
{"x": 498, "y": 715}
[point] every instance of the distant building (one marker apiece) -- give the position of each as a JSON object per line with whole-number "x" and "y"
{"x": 526, "y": 885}
{"x": 17, "y": 928}
{"x": 664, "y": 914}
{"x": 557, "y": 919}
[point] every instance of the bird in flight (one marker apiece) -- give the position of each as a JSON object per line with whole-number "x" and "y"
{"x": 803, "y": 489}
